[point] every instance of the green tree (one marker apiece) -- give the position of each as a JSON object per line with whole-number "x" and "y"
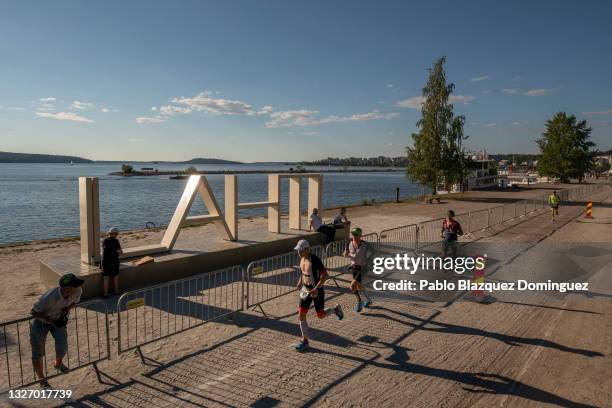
{"x": 191, "y": 170}
{"x": 127, "y": 169}
{"x": 565, "y": 148}
{"x": 437, "y": 152}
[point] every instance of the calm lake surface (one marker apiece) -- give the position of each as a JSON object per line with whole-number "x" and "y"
{"x": 40, "y": 201}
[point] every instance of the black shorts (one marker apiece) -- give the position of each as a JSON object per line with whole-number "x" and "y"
{"x": 319, "y": 302}
{"x": 554, "y": 207}
{"x": 357, "y": 275}
{"x": 110, "y": 268}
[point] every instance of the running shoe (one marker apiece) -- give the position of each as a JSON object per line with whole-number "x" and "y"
{"x": 339, "y": 312}
{"x": 358, "y": 307}
{"x": 61, "y": 368}
{"x": 367, "y": 303}
{"x": 302, "y": 346}
{"x": 44, "y": 383}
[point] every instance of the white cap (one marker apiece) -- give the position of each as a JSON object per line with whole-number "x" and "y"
{"x": 113, "y": 231}
{"x": 302, "y": 244}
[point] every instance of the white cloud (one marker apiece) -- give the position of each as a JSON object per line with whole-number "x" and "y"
{"x": 416, "y": 102}
{"x": 16, "y": 108}
{"x": 104, "y": 110}
{"x": 171, "y": 110}
{"x": 486, "y": 91}
{"x": 517, "y": 123}
{"x": 82, "y": 105}
{"x": 529, "y": 92}
{"x": 45, "y": 107}
{"x": 312, "y": 133}
{"x": 461, "y": 99}
{"x": 135, "y": 140}
{"x": 154, "y": 108}
{"x": 598, "y": 113}
{"x": 510, "y": 91}
{"x": 537, "y": 92}
{"x": 304, "y": 117}
{"x": 203, "y": 102}
{"x": 518, "y": 78}
{"x": 266, "y": 110}
{"x": 64, "y": 116}
{"x": 491, "y": 124}
{"x": 481, "y": 78}
{"x": 154, "y": 119}
{"x": 48, "y": 99}
{"x": 390, "y": 85}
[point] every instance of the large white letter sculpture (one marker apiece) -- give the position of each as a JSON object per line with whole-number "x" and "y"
{"x": 228, "y": 224}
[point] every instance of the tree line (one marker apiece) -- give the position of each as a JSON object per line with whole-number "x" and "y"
{"x": 438, "y": 156}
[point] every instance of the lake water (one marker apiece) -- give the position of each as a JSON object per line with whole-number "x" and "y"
{"x": 40, "y": 201}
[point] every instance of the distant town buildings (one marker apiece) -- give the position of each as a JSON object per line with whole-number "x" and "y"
{"x": 379, "y": 161}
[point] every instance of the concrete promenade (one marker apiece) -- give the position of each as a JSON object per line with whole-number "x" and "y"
{"x": 523, "y": 350}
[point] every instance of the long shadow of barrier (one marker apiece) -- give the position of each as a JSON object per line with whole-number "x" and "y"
{"x": 510, "y": 340}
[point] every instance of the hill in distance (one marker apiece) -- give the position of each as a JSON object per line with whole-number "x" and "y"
{"x": 8, "y": 157}
{"x": 200, "y": 160}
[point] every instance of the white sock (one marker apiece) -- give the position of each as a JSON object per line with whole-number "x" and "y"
{"x": 304, "y": 329}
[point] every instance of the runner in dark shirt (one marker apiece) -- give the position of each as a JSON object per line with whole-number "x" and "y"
{"x": 111, "y": 249}
{"x": 313, "y": 276}
{"x": 451, "y": 230}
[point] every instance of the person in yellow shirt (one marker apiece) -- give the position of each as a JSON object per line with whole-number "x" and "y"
{"x": 553, "y": 201}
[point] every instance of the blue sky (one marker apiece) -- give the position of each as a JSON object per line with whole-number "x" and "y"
{"x": 278, "y": 80}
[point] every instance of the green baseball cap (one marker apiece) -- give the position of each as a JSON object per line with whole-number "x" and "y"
{"x": 70, "y": 279}
{"x": 356, "y": 231}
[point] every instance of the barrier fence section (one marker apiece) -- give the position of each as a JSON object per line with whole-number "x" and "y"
{"x": 153, "y": 313}
{"x": 398, "y": 240}
{"x": 87, "y": 338}
{"x": 272, "y": 277}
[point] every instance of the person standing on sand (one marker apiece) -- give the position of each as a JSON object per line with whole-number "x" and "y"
{"x": 310, "y": 286}
{"x": 316, "y": 224}
{"x": 554, "y": 200}
{"x": 111, "y": 249}
{"x": 358, "y": 252}
{"x": 451, "y": 230}
{"x": 50, "y": 314}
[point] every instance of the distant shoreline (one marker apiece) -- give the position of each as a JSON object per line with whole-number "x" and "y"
{"x": 204, "y": 172}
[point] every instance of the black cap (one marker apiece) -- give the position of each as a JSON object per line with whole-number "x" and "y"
{"x": 70, "y": 279}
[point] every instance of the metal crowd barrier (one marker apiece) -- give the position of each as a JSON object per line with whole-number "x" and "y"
{"x": 399, "y": 240}
{"x": 153, "y": 313}
{"x": 272, "y": 277}
{"x": 88, "y": 343}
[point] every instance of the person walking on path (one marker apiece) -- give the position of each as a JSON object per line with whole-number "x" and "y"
{"x": 111, "y": 249}
{"x": 359, "y": 253}
{"x": 553, "y": 201}
{"x": 310, "y": 286}
{"x": 50, "y": 315}
{"x": 316, "y": 224}
{"x": 451, "y": 230}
